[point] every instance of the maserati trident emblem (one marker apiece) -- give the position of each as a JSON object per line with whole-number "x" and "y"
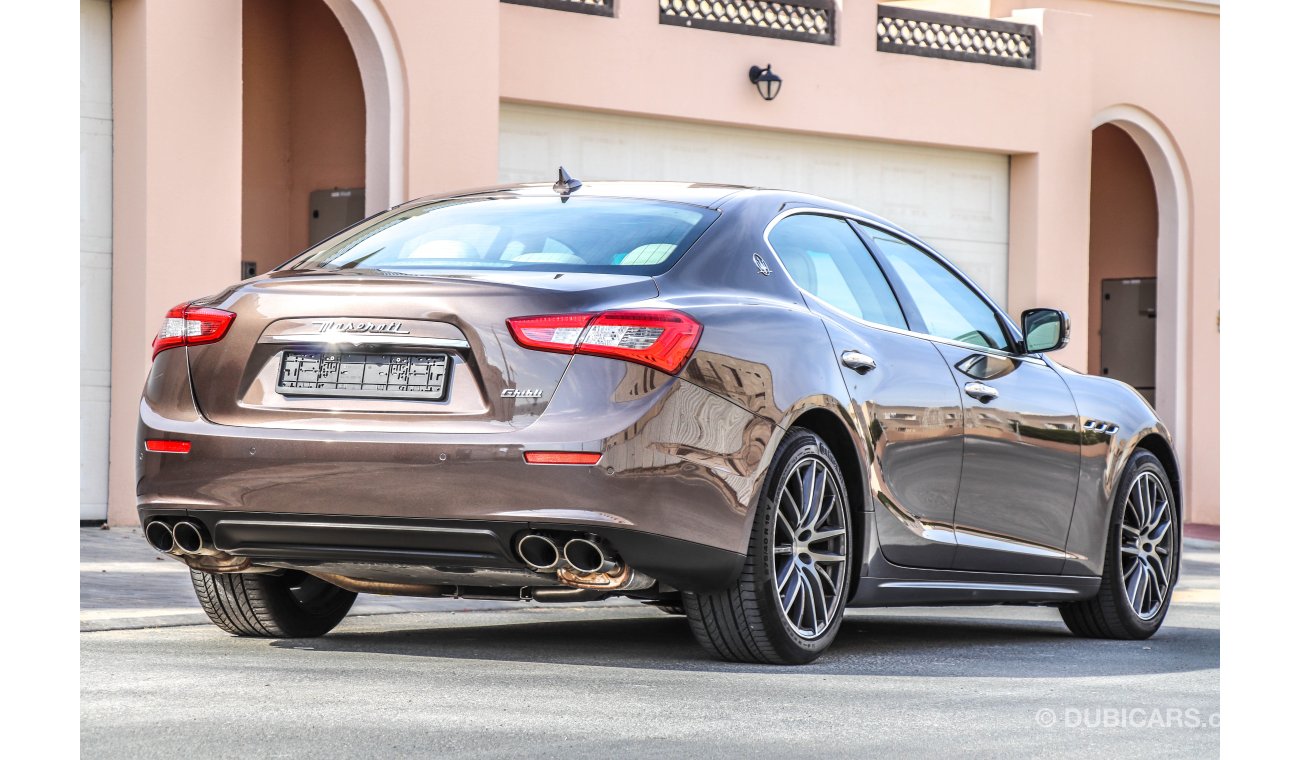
{"x": 763, "y": 268}
{"x": 387, "y": 328}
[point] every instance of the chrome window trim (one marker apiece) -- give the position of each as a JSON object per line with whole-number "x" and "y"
{"x": 1032, "y": 358}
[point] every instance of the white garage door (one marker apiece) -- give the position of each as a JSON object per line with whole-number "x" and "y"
{"x": 96, "y": 252}
{"x": 955, "y": 200}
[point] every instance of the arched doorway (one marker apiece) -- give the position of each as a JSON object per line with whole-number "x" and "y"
{"x": 1158, "y": 185}
{"x": 304, "y": 130}
{"x": 1122, "y": 263}
{"x": 383, "y": 78}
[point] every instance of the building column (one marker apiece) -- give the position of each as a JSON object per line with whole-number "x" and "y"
{"x": 1051, "y": 186}
{"x": 452, "y": 58}
{"x": 1048, "y": 258}
{"x": 177, "y": 84}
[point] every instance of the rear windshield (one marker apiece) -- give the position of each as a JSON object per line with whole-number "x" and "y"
{"x": 538, "y": 234}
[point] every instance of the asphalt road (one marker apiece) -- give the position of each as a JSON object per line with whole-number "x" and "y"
{"x": 532, "y": 681}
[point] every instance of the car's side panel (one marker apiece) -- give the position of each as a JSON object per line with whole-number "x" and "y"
{"x": 761, "y": 347}
{"x": 910, "y": 408}
{"x": 1020, "y": 472}
{"x": 1115, "y": 419}
{"x": 771, "y": 360}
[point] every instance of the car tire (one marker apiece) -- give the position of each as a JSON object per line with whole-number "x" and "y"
{"x": 287, "y": 605}
{"x": 748, "y": 620}
{"x": 1113, "y": 613}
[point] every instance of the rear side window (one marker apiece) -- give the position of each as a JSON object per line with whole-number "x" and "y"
{"x": 950, "y": 308}
{"x": 828, "y": 260}
{"x": 540, "y": 234}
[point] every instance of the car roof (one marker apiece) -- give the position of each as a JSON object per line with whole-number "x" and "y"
{"x": 708, "y": 194}
{"x": 696, "y": 193}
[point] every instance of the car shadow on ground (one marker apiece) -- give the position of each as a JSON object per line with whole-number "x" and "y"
{"x": 933, "y": 647}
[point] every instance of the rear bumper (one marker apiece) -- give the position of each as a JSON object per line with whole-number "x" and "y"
{"x": 672, "y": 494}
{"x": 472, "y": 550}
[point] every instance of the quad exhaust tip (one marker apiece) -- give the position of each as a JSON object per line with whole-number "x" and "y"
{"x": 159, "y": 536}
{"x": 539, "y": 552}
{"x": 184, "y": 537}
{"x": 188, "y": 537}
{"x": 588, "y": 556}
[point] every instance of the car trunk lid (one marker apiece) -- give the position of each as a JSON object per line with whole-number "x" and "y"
{"x": 316, "y": 349}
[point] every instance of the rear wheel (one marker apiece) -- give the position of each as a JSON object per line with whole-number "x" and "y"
{"x": 1141, "y": 559}
{"x": 289, "y": 605}
{"x": 788, "y": 603}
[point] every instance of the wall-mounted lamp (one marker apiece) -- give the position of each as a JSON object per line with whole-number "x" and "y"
{"x": 767, "y": 83}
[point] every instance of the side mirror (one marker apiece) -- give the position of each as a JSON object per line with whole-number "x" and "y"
{"x": 1045, "y": 330}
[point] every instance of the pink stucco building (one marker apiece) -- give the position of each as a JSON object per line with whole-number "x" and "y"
{"x": 1064, "y": 152}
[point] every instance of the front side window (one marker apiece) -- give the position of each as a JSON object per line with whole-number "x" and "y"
{"x": 949, "y": 307}
{"x": 616, "y": 235}
{"x": 827, "y": 259}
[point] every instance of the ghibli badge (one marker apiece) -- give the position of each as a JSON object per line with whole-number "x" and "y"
{"x": 521, "y": 393}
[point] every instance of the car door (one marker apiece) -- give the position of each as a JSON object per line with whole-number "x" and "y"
{"x": 1020, "y": 466}
{"x": 902, "y": 392}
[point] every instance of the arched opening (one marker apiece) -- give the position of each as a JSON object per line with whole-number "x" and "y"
{"x": 1168, "y": 179}
{"x": 1122, "y": 266}
{"x": 383, "y": 77}
{"x": 304, "y": 130}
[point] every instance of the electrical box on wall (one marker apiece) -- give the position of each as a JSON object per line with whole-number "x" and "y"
{"x": 247, "y": 269}
{"x": 1128, "y": 333}
{"x": 333, "y": 210}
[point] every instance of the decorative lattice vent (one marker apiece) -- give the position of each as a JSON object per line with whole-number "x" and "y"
{"x": 958, "y": 38}
{"x": 594, "y": 7}
{"x": 804, "y": 21}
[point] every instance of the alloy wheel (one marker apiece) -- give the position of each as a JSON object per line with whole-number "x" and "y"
{"x": 1146, "y": 545}
{"x": 810, "y": 548}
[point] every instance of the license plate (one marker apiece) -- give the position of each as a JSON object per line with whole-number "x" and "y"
{"x": 418, "y": 376}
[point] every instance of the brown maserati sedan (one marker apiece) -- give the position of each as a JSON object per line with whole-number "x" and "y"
{"x": 753, "y": 407}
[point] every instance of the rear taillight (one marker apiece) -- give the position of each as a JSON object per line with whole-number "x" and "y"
{"x": 657, "y": 338}
{"x": 187, "y": 325}
{"x": 550, "y": 332}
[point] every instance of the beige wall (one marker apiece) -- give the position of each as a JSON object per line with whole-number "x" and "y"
{"x": 1122, "y": 238}
{"x": 460, "y": 60}
{"x": 304, "y": 122}
{"x": 1166, "y": 63}
{"x": 176, "y": 188}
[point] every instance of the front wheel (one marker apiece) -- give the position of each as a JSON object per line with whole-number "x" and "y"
{"x": 788, "y": 603}
{"x": 1141, "y": 562}
{"x": 287, "y": 605}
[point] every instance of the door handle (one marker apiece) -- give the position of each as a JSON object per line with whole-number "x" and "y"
{"x": 981, "y": 392}
{"x": 857, "y": 361}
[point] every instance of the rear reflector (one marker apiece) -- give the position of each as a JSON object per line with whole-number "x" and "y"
{"x": 658, "y": 338}
{"x": 168, "y": 447}
{"x": 561, "y": 457}
{"x": 187, "y": 325}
